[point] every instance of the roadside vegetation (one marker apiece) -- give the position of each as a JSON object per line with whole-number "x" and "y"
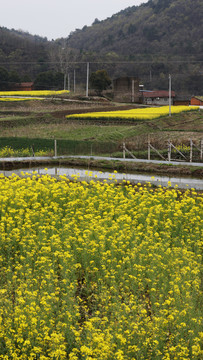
{"x": 8, "y": 151}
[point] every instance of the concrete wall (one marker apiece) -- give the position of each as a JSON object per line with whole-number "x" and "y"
{"x": 126, "y": 89}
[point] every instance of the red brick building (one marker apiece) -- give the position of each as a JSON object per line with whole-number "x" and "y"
{"x": 196, "y": 100}
{"x": 24, "y": 86}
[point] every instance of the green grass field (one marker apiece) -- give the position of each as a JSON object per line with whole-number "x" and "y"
{"x": 23, "y": 125}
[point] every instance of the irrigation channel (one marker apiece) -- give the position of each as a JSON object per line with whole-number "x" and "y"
{"x": 87, "y": 175}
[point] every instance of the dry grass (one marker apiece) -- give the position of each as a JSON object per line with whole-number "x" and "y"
{"x": 50, "y": 105}
{"x": 160, "y": 139}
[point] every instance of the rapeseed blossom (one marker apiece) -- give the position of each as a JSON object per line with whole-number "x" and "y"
{"x": 8, "y": 151}
{"x": 99, "y": 271}
{"x": 26, "y": 95}
{"x": 133, "y": 114}
{"x": 19, "y": 98}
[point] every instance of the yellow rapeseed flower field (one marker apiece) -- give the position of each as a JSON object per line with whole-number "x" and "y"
{"x": 99, "y": 271}
{"x": 7, "y": 99}
{"x": 133, "y": 114}
{"x": 5, "y": 95}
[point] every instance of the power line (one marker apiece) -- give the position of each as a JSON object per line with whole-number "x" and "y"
{"x": 102, "y": 62}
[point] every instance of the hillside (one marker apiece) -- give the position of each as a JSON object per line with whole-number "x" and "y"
{"x": 163, "y": 27}
{"x": 160, "y": 36}
{"x": 149, "y": 41}
{"x": 18, "y": 49}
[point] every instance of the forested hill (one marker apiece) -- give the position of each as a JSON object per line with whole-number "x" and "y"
{"x": 150, "y": 41}
{"x": 14, "y": 42}
{"x": 18, "y": 49}
{"x": 157, "y": 27}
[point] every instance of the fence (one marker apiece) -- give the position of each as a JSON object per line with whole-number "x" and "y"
{"x": 184, "y": 153}
{"x": 60, "y": 146}
{"x": 192, "y": 152}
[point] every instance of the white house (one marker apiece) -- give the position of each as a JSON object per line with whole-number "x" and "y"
{"x": 158, "y": 97}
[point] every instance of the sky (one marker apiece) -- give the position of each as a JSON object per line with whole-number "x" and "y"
{"x": 57, "y": 18}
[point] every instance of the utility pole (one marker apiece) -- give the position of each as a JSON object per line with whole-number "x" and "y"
{"x": 74, "y": 81}
{"x": 64, "y": 81}
{"x": 133, "y": 90}
{"x": 169, "y": 95}
{"x": 87, "y": 83}
{"x": 68, "y": 82}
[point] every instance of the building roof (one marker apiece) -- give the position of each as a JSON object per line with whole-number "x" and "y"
{"x": 25, "y": 84}
{"x": 198, "y": 97}
{"x": 158, "y": 94}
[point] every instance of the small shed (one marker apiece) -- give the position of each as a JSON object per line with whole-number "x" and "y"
{"x": 158, "y": 97}
{"x": 24, "y": 86}
{"x": 126, "y": 89}
{"x": 181, "y": 100}
{"x": 196, "y": 100}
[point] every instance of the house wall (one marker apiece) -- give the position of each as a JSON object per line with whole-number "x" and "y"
{"x": 22, "y": 87}
{"x": 181, "y": 102}
{"x": 195, "y": 101}
{"x": 155, "y": 101}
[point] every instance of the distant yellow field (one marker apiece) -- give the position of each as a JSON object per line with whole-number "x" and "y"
{"x": 20, "y": 98}
{"x": 34, "y": 93}
{"x": 134, "y": 114}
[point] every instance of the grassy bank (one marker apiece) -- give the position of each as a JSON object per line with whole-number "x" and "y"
{"x": 125, "y": 167}
{"x": 38, "y": 124}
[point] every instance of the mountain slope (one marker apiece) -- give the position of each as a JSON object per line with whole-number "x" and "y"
{"x": 159, "y": 26}
{"x": 19, "y": 49}
{"x": 150, "y": 41}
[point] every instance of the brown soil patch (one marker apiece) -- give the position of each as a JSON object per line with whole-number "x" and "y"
{"x": 63, "y": 113}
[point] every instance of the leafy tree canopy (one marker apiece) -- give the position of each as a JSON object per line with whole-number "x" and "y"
{"x": 100, "y": 80}
{"x": 4, "y": 78}
{"x": 49, "y": 80}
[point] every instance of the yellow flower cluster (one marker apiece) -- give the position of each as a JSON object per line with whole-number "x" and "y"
{"x": 19, "y": 98}
{"x": 134, "y": 114}
{"x": 99, "y": 271}
{"x": 183, "y": 147}
{"x": 27, "y": 94}
{"x": 8, "y": 151}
